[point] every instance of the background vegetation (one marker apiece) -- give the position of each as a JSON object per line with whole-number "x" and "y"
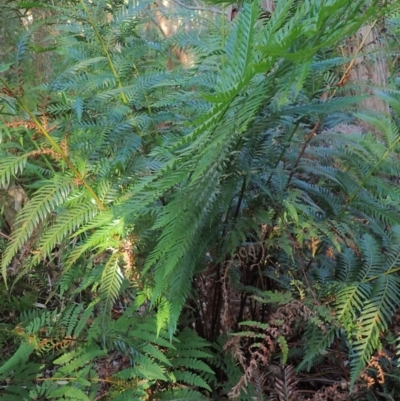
{"x": 199, "y": 201}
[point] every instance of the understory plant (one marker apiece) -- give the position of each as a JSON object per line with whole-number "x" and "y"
{"x": 161, "y": 210}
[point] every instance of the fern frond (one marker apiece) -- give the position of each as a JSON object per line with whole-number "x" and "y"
{"x": 317, "y": 342}
{"x": 190, "y": 378}
{"x": 10, "y": 166}
{"x": 69, "y": 394}
{"x": 17, "y": 368}
{"x": 111, "y": 281}
{"x": 375, "y": 317}
{"x": 46, "y": 199}
{"x": 66, "y": 224}
{"x": 180, "y": 394}
{"x": 286, "y": 388}
{"x": 102, "y": 238}
{"x": 145, "y": 368}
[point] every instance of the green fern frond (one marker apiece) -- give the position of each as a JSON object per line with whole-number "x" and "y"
{"x": 180, "y": 394}
{"x": 67, "y": 222}
{"x": 69, "y": 394}
{"x": 316, "y": 342}
{"x": 18, "y": 359}
{"x": 82, "y": 322}
{"x": 51, "y": 194}
{"x": 18, "y": 369}
{"x": 111, "y": 281}
{"x": 350, "y": 300}
{"x": 70, "y": 362}
{"x": 190, "y": 378}
{"x": 375, "y": 317}
{"x": 105, "y": 228}
{"x": 10, "y": 166}
{"x": 145, "y": 368}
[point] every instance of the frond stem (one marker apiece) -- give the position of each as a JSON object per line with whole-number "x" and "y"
{"x": 105, "y": 50}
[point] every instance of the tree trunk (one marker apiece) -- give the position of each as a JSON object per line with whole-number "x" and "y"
{"x": 42, "y": 58}
{"x": 370, "y": 69}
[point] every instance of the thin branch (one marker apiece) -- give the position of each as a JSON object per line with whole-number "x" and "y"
{"x": 347, "y": 72}
{"x": 211, "y": 10}
{"x": 303, "y": 149}
{"x": 5, "y": 236}
{"x": 154, "y": 21}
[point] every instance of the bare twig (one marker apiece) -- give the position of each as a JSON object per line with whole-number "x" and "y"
{"x": 303, "y": 149}
{"x": 5, "y": 236}
{"x": 154, "y": 21}
{"x": 347, "y": 72}
{"x": 198, "y": 8}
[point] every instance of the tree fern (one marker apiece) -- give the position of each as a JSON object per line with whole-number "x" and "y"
{"x": 185, "y": 170}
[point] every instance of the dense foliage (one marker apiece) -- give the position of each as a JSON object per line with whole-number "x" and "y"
{"x": 191, "y": 231}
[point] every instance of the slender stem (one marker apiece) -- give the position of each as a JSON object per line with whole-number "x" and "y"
{"x": 391, "y": 271}
{"x": 57, "y": 148}
{"x": 303, "y": 149}
{"x": 351, "y": 64}
{"x": 283, "y": 152}
{"x": 5, "y": 236}
{"x": 105, "y": 50}
{"x": 241, "y": 197}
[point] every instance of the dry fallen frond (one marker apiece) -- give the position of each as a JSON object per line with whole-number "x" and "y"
{"x": 286, "y": 388}
{"x": 283, "y": 322}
